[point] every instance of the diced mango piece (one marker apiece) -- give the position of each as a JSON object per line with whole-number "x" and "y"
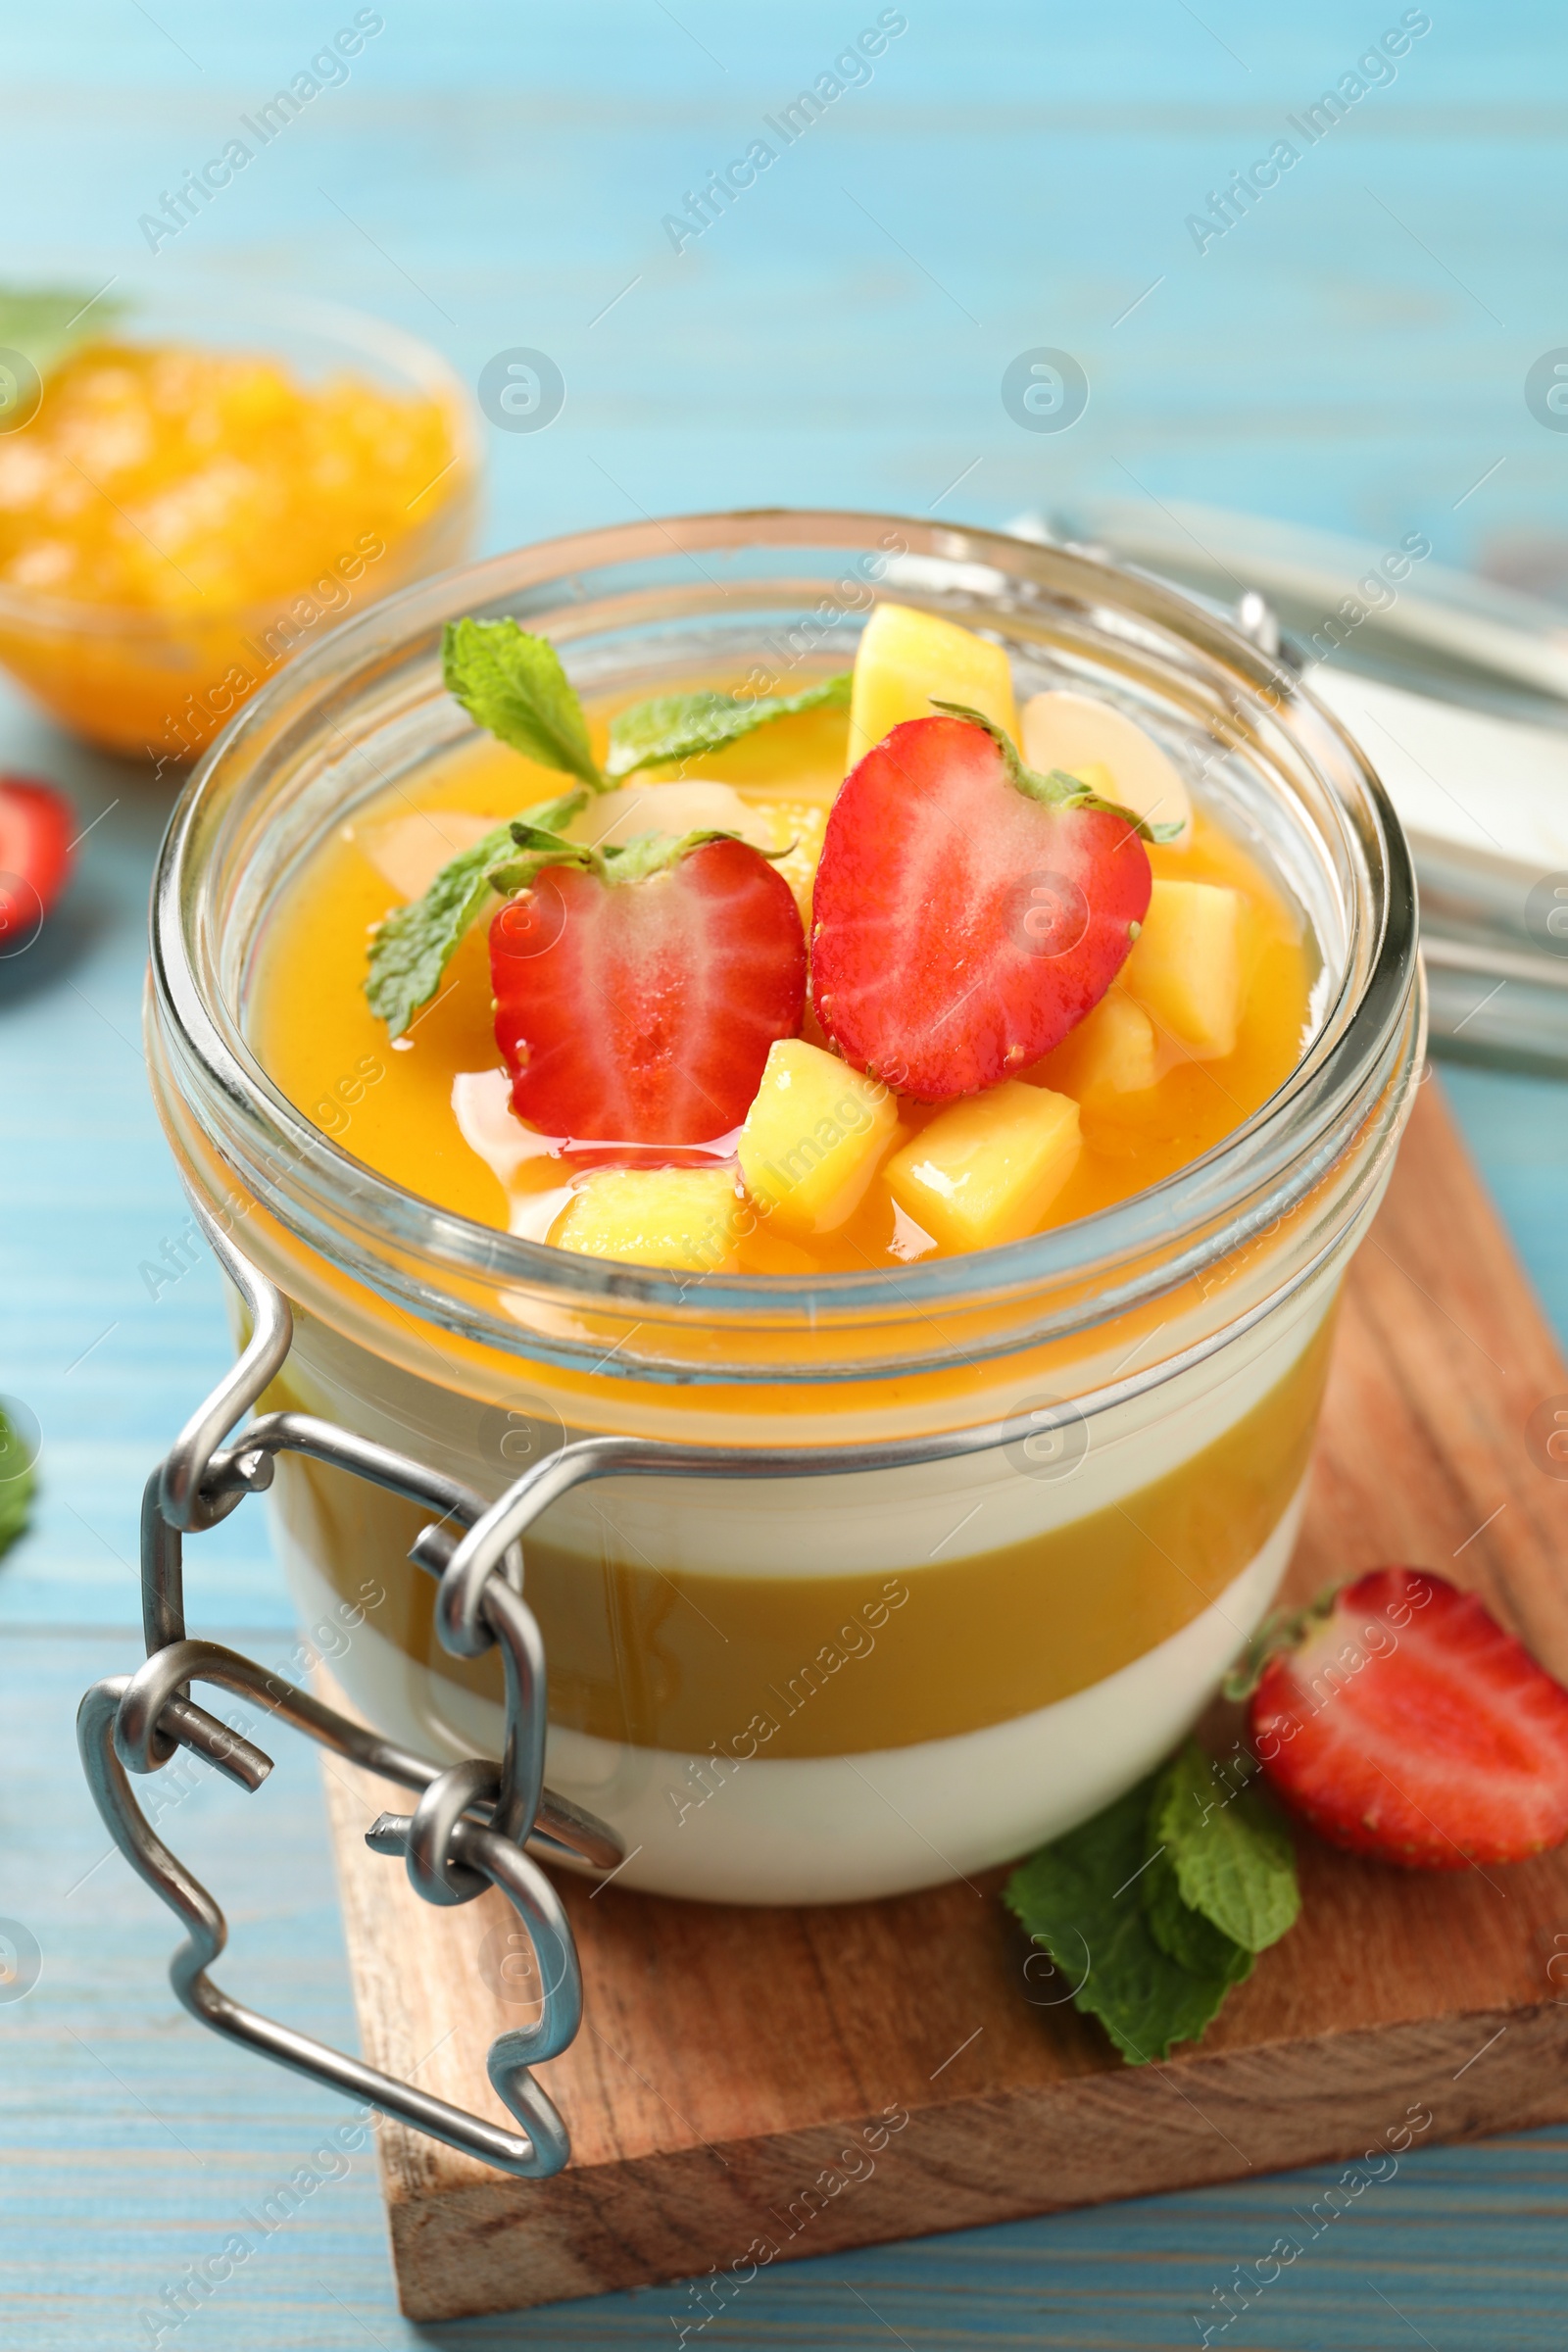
{"x": 1075, "y": 733}
{"x": 1186, "y": 964}
{"x": 1114, "y": 1052}
{"x": 683, "y": 1217}
{"x": 796, "y": 828}
{"x": 812, "y": 1138}
{"x": 906, "y": 658}
{"x": 988, "y": 1169}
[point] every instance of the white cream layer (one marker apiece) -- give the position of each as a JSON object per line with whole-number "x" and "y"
{"x": 839, "y": 1828}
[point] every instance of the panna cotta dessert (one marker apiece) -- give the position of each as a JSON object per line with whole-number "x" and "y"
{"x": 945, "y": 1084}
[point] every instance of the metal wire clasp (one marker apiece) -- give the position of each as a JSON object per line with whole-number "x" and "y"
{"x": 473, "y": 1822}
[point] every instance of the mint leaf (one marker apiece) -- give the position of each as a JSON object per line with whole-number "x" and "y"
{"x": 1187, "y": 1936}
{"x": 413, "y": 948}
{"x": 1059, "y": 789}
{"x": 1232, "y": 1857}
{"x": 1080, "y": 1898}
{"x": 44, "y": 322}
{"x": 679, "y": 726}
{"x": 16, "y": 1492}
{"x": 513, "y": 685}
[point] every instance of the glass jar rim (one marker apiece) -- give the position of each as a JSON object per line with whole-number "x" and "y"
{"x": 1099, "y": 1267}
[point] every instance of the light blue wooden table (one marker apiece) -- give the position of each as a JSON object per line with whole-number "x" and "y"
{"x": 1352, "y": 353}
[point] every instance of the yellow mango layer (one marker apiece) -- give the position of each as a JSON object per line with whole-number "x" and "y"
{"x": 668, "y": 1658}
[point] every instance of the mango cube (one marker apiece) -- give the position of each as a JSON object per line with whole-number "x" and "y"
{"x": 1114, "y": 1052}
{"x": 987, "y": 1169}
{"x": 1186, "y": 964}
{"x": 905, "y": 659}
{"x": 812, "y": 1138}
{"x": 681, "y": 1217}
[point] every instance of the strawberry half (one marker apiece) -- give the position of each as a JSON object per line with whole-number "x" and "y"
{"x": 637, "y": 990}
{"x": 36, "y": 824}
{"x": 967, "y": 912}
{"x": 1405, "y": 1723}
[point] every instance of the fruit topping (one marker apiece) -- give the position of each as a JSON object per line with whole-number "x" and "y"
{"x": 1112, "y": 1055}
{"x": 812, "y": 1138}
{"x": 987, "y": 1170}
{"x": 683, "y": 1217}
{"x": 638, "y": 989}
{"x": 1400, "y": 1720}
{"x": 36, "y": 827}
{"x": 513, "y": 684}
{"x": 967, "y": 912}
{"x": 1185, "y": 969}
{"x": 907, "y": 661}
{"x": 1075, "y": 732}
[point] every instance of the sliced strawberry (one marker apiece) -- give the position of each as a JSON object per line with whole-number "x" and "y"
{"x": 36, "y": 825}
{"x": 637, "y": 991}
{"x": 1402, "y": 1722}
{"x": 967, "y": 912}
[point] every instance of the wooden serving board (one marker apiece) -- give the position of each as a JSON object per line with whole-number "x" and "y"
{"x": 737, "y": 2071}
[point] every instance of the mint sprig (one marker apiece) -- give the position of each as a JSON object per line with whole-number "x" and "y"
{"x": 412, "y": 948}
{"x": 1187, "y": 1935}
{"x": 1057, "y": 789}
{"x": 682, "y": 726}
{"x": 1080, "y": 1898}
{"x": 1232, "y": 1858}
{"x": 513, "y": 684}
{"x": 1158, "y": 1905}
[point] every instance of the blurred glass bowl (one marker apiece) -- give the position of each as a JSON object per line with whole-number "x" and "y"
{"x": 141, "y": 679}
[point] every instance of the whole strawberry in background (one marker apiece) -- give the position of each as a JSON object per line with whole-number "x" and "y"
{"x": 1401, "y": 1721}
{"x": 967, "y": 912}
{"x": 637, "y": 990}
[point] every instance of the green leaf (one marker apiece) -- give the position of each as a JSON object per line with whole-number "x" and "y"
{"x": 1187, "y": 1935}
{"x": 513, "y": 685}
{"x": 16, "y": 1490}
{"x": 413, "y": 948}
{"x": 1080, "y": 1898}
{"x": 1232, "y": 1857}
{"x": 45, "y": 321}
{"x": 1058, "y": 789}
{"x": 680, "y": 726}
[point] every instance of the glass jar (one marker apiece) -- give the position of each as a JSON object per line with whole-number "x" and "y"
{"x": 1037, "y": 1497}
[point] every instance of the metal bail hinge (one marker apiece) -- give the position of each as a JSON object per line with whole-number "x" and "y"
{"x": 473, "y": 1821}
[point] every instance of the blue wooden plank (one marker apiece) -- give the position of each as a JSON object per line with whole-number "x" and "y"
{"x": 1351, "y": 355}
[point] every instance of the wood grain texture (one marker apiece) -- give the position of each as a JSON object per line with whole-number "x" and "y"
{"x": 736, "y": 2069}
